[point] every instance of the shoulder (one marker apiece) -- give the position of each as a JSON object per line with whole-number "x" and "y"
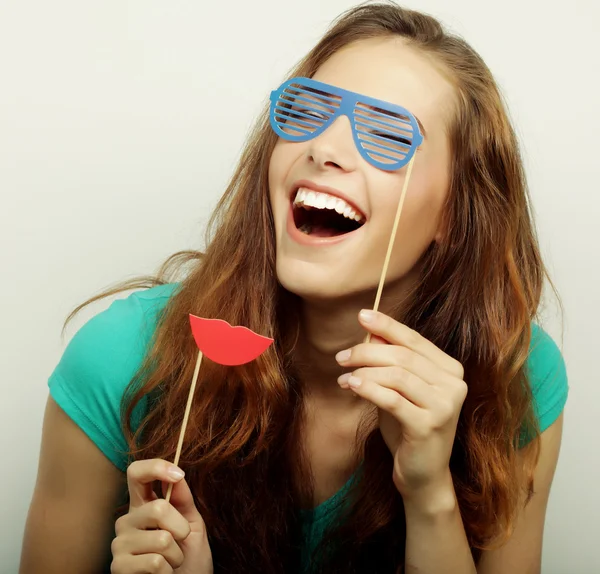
{"x": 547, "y": 375}
{"x": 99, "y": 362}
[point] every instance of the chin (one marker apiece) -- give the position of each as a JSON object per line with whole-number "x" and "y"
{"x": 317, "y": 282}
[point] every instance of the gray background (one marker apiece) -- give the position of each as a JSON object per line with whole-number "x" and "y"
{"x": 121, "y": 122}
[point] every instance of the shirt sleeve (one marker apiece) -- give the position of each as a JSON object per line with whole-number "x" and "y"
{"x": 547, "y": 377}
{"x": 99, "y": 362}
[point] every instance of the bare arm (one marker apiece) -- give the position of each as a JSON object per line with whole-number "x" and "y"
{"x": 436, "y": 540}
{"x": 71, "y": 518}
{"x": 522, "y": 554}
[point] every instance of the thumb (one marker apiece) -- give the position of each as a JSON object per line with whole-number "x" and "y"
{"x": 183, "y": 501}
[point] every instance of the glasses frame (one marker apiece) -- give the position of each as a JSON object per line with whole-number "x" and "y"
{"x": 347, "y": 106}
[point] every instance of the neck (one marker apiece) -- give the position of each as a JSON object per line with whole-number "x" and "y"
{"x": 328, "y": 327}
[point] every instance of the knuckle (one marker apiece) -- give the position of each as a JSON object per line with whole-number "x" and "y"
{"x": 400, "y": 356}
{"x": 121, "y": 524}
{"x": 444, "y": 412}
{"x": 394, "y": 374}
{"x": 400, "y": 376}
{"x": 426, "y": 427}
{"x": 159, "y": 508}
{"x": 133, "y": 469}
{"x": 164, "y": 539}
{"x": 156, "y": 563}
{"x": 458, "y": 369}
{"x": 162, "y": 466}
{"x": 139, "y": 469}
{"x": 117, "y": 566}
{"x": 394, "y": 404}
{"x": 188, "y": 529}
{"x": 406, "y": 358}
{"x": 461, "y": 391}
{"x": 410, "y": 380}
{"x": 177, "y": 559}
{"x": 411, "y": 337}
{"x": 115, "y": 546}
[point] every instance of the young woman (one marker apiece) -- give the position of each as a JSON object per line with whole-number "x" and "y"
{"x": 430, "y": 449}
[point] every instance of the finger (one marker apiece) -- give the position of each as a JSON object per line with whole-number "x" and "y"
{"x": 183, "y": 501}
{"x": 160, "y": 542}
{"x": 399, "y": 334}
{"x": 160, "y": 515}
{"x": 143, "y": 564}
{"x": 387, "y": 399}
{"x": 142, "y": 473}
{"x": 369, "y": 355}
{"x": 411, "y": 387}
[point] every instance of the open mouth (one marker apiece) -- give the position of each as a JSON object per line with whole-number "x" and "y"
{"x": 323, "y": 215}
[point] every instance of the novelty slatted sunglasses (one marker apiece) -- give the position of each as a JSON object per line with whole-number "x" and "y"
{"x": 386, "y": 135}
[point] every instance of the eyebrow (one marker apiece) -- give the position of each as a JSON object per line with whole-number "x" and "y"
{"x": 400, "y": 116}
{"x": 374, "y": 108}
{"x": 421, "y": 127}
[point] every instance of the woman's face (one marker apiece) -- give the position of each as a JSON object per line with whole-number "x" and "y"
{"x": 313, "y": 263}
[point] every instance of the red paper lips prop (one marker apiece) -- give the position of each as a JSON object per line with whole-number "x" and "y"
{"x": 227, "y": 345}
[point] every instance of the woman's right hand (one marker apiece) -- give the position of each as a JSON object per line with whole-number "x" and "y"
{"x": 155, "y": 536}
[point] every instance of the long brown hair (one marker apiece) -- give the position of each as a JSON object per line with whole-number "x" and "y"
{"x": 479, "y": 291}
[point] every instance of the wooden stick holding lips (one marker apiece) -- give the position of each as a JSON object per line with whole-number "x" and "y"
{"x": 391, "y": 242}
{"x": 223, "y": 344}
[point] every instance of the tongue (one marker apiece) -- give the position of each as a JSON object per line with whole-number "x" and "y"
{"x": 322, "y": 231}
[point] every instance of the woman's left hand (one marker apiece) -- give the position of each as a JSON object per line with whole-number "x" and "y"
{"x": 419, "y": 391}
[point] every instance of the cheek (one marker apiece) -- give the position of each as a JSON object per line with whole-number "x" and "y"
{"x": 424, "y": 203}
{"x": 421, "y": 212}
{"x": 279, "y": 167}
{"x": 426, "y": 196}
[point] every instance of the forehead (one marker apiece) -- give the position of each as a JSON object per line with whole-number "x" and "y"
{"x": 388, "y": 69}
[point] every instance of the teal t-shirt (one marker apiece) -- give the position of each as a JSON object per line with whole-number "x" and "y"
{"x": 103, "y": 356}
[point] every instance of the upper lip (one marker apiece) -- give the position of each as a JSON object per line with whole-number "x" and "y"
{"x": 306, "y": 183}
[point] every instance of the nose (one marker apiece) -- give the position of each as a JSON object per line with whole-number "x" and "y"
{"x": 335, "y": 146}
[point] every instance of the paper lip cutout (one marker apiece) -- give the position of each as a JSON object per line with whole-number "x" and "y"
{"x": 226, "y": 344}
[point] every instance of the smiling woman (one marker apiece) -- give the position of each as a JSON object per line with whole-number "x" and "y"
{"x": 430, "y": 449}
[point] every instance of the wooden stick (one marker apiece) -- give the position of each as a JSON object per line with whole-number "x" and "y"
{"x": 391, "y": 243}
{"x": 185, "y": 420}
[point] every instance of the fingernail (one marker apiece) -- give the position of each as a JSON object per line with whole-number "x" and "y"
{"x": 343, "y": 356}
{"x": 367, "y": 315}
{"x": 354, "y": 382}
{"x": 175, "y": 472}
{"x": 343, "y": 379}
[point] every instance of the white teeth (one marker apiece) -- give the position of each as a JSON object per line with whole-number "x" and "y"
{"x": 318, "y": 200}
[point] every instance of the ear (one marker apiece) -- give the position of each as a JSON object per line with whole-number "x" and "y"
{"x": 440, "y": 233}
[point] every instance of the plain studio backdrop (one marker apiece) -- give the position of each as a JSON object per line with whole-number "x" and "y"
{"x": 120, "y": 125}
